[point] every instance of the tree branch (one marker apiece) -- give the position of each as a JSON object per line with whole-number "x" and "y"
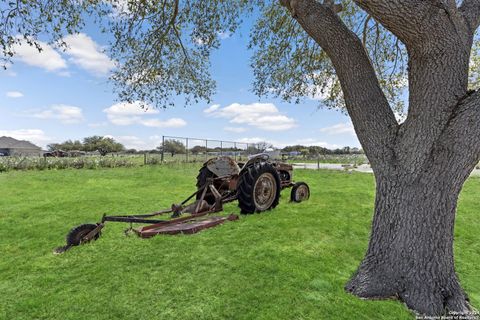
{"x": 438, "y": 43}
{"x": 459, "y": 141}
{"x": 366, "y": 104}
{"x": 412, "y": 21}
{"x": 471, "y": 11}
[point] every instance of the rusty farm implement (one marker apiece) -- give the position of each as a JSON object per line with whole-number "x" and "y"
{"x": 256, "y": 185}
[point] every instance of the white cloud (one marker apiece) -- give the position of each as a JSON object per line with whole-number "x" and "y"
{"x": 252, "y": 140}
{"x": 340, "y": 128}
{"x": 235, "y": 129}
{"x": 35, "y": 136}
{"x": 170, "y": 123}
{"x": 212, "y": 108}
{"x": 130, "y": 109}
{"x": 47, "y": 58}
{"x": 87, "y": 54}
{"x": 14, "y": 94}
{"x": 124, "y": 114}
{"x": 65, "y": 113}
{"x": 264, "y": 116}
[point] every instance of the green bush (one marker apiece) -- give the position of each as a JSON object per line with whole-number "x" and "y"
{"x": 32, "y": 163}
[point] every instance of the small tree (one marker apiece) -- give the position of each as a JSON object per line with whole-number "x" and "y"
{"x": 173, "y": 147}
{"x": 101, "y": 144}
{"x": 68, "y": 145}
{"x": 197, "y": 149}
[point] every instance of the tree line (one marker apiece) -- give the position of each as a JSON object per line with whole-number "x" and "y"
{"x": 173, "y": 147}
{"x": 103, "y": 145}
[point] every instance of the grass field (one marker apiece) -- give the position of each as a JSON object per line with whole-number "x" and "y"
{"x": 290, "y": 263}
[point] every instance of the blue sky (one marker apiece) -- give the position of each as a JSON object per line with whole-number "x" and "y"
{"x": 54, "y": 96}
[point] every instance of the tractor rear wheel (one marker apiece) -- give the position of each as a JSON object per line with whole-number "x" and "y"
{"x": 258, "y": 188}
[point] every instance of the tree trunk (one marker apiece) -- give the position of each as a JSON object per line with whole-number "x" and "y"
{"x": 410, "y": 254}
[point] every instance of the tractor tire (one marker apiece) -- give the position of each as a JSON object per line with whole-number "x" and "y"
{"x": 76, "y": 234}
{"x": 258, "y": 188}
{"x": 203, "y": 175}
{"x": 300, "y": 192}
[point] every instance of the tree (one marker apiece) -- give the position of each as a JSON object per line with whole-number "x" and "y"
{"x": 173, "y": 147}
{"x": 315, "y": 151}
{"x": 197, "y": 149}
{"x": 68, "y": 145}
{"x": 352, "y": 55}
{"x": 296, "y": 148}
{"x": 101, "y": 144}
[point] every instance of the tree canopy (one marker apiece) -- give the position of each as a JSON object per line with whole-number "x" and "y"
{"x": 162, "y": 47}
{"x": 172, "y": 146}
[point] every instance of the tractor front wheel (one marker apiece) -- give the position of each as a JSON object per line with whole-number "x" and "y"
{"x": 300, "y": 192}
{"x": 258, "y": 188}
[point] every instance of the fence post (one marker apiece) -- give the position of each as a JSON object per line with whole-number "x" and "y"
{"x": 206, "y": 149}
{"x": 163, "y": 148}
{"x": 186, "y": 149}
{"x": 318, "y": 162}
{"x": 235, "y": 150}
{"x": 221, "y": 148}
{"x": 145, "y": 159}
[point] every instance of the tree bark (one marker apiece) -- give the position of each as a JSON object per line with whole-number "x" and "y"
{"x": 421, "y": 165}
{"x": 410, "y": 254}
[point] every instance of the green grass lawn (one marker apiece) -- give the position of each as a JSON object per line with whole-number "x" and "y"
{"x": 290, "y": 263}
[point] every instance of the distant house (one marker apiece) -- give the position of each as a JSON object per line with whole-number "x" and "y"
{"x": 14, "y": 147}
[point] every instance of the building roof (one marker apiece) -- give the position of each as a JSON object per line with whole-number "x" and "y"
{"x": 10, "y": 143}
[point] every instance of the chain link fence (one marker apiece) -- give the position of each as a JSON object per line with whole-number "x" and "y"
{"x": 187, "y": 149}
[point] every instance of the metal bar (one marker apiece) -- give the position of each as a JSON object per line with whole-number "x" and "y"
{"x": 192, "y": 138}
{"x": 206, "y": 149}
{"x": 92, "y": 233}
{"x": 204, "y": 192}
{"x": 131, "y": 220}
{"x": 218, "y": 198}
{"x": 173, "y": 221}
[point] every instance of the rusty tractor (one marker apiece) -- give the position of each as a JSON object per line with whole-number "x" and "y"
{"x": 256, "y": 185}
